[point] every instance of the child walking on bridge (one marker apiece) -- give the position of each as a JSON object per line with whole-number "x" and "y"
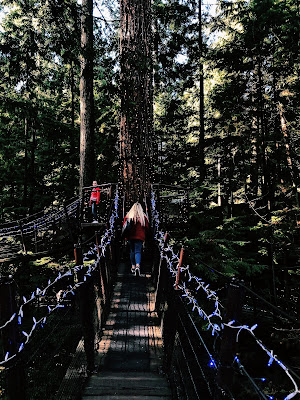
{"x": 138, "y": 224}
{"x": 94, "y": 200}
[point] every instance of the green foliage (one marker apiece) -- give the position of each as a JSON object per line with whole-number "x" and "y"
{"x": 39, "y": 105}
{"x": 228, "y": 247}
{"x": 34, "y": 273}
{"x": 249, "y": 54}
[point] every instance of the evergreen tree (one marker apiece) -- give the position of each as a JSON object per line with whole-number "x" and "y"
{"x": 87, "y": 122}
{"x": 136, "y": 97}
{"x": 36, "y": 84}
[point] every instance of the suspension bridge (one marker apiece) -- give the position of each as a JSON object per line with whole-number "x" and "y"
{"x": 96, "y": 331}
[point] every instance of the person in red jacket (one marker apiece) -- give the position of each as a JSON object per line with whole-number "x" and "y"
{"x": 94, "y": 200}
{"x": 136, "y": 235}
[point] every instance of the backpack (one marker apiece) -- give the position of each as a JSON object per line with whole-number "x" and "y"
{"x": 127, "y": 227}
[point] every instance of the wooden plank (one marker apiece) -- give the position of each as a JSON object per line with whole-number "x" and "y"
{"x": 93, "y": 224}
{"x": 125, "y": 397}
{"x": 127, "y": 384}
{"x": 129, "y": 353}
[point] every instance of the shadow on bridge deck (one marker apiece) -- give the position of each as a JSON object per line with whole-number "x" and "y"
{"x": 130, "y": 351}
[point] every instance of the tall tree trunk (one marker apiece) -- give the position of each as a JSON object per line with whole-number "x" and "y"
{"x": 277, "y": 172}
{"x": 136, "y": 126}
{"x": 72, "y": 87}
{"x": 262, "y": 134}
{"x": 87, "y": 152}
{"x": 252, "y": 189}
{"x": 219, "y": 183}
{"x": 201, "y": 99}
{"x": 25, "y": 188}
{"x": 231, "y": 183}
{"x": 72, "y": 136}
{"x": 157, "y": 138}
{"x": 290, "y": 164}
{"x": 32, "y": 170}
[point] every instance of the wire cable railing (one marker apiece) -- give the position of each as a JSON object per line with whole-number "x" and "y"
{"x": 99, "y": 251}
{"x": 38, "y": 223}
{"x": 186, "y": 291}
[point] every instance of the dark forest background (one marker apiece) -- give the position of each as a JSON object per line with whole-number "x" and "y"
{"x": 244, "y": 199}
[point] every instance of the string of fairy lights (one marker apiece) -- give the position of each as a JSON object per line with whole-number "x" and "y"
{"x": 172, "y": 260}
{"x": 99, "y": 251}
{"x": 41, "y": 223}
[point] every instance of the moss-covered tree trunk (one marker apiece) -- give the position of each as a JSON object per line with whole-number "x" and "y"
{"x": 136, "y": 97}
{"x": 87, "y": 153}
{"x": 201, "y": 100}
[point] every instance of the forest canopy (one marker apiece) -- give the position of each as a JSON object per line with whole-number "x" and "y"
{"x": 249, "y": 62}
{"x": 225, "y": 108}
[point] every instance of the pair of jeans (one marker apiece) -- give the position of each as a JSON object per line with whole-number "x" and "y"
{"x": 94, "y": 210}
{"x": 135, "y": 251}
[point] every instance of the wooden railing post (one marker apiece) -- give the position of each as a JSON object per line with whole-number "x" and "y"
{"x": 107, "y": 264}
{"x": 161, "y": 282}
{"x": 10, "y": 340}
{"x": 169, "y": 323}
{"x": 178, "y": 269}
{"x": 228, "y": 340}
{"x": 22, "y": 237}
{"x": 105, "y": 279}
{"x": 165, "y": 299}
{"x": 35, "y": 239}
{"x": 97, "y": 242}
{"x": 53, "y": 231}
{"x": 86, "y": 305}
{"x": 102, "y": 274}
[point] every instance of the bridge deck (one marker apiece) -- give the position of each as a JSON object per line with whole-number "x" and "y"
{"x": 130, "y": 351}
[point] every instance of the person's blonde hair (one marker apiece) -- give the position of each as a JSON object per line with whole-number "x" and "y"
{"x": 136, "y": 213}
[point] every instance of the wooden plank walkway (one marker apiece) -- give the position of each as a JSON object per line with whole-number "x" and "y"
{"x": 130, "y": 350}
